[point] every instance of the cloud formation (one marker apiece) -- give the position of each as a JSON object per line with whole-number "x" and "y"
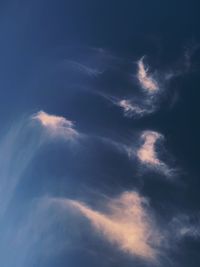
{"x": 56, "y": 125}
{"x": 147, "y": 153}
{"x": 131, "y": 109}
{"x": 186, "y": 226}
{"x": 140, "y": 103}
{"x": 128, "y": 224}
{"x": 146, "y": 80}
{"x": 82, "y": 68}
{"x": 18, "y": 147}
{"x": 137, "y": 110}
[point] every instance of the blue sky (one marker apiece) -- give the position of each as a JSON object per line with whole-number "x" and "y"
{"x": 99, "y": 137}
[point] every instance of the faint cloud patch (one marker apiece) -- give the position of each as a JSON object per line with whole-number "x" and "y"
{"x": 186, "y": 226}
{"x": 146, "y": 80}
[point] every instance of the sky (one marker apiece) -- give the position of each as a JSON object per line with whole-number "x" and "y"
{"x": 99, "y": 136}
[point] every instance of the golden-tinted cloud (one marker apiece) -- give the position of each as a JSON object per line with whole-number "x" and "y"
{"x": 127, "y": 224}
{"x": 56, "y": 125}
{"x": 146, "y": 80}
{"x": 147, "y": 152}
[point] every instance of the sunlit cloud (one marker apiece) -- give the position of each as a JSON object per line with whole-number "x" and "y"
{"x": 147, "y": 152}
{"x": 127, "y": 224}
{"x": 19, "y": 146}
{"x": 56, "y": 125}
{"x": 132, "y": 107}
{"x": 139, "y": 105}
{"x": 145, "y": 79}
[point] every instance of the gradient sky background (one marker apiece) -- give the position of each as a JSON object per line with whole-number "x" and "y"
{"x": 100, "y": 135}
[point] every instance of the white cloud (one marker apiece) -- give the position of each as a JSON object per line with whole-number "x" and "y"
{"x": 146, "y": 80}
{"x": 127, "y": 224}
{"x": 56, "y": 125}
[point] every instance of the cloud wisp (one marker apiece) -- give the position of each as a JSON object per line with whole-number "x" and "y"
{"x": 20, "y": 144}
{"x": 147, "y": 153}
{"x": 132, "y": 109}
{"x": 127, "y": 224}
{"x": 186, "y": 226}
{"x": 146, "y": 80}
{"x": 141, "y": 103}
{"x": 82, "y": 68}
{"x": 18, "y": 147}
{"x": 56, "y": 125}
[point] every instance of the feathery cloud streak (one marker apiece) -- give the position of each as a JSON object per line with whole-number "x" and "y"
{"x": 128, "y": 225}
{"x": 56, "y": 125}
{"x": 130, "y": 108}
{"x": 147, "y": 153}
{"x": 17, "y": 149}
{"x": 146, "y": 80}
{"x": 19, "y": 146}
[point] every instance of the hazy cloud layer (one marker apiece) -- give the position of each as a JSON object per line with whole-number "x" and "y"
{"x": 185, "y": 225}
{"x": 153, "y": 87}
{"x": 18, "y": 147}
{"x": 20, "y": 144}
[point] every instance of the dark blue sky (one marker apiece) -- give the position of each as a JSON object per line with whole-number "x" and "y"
{"x": 99, "y": 138}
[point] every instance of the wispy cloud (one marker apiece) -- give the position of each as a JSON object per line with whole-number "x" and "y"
{"x": 18, "y": 147}
{"x": 147, "y": 153}
{"x": 131, "y": 109}
{"x": 142, "y": 103}
{"x": 186, "y": 226}
{"x": 56, "y": 125}
{"x": 127, "y": 224}
{"x": 20, "y": 144}
{"x": 82, "y": 68}
{"x": 145, "y": 79}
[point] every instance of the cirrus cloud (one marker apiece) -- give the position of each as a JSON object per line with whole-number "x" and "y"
{"x": 56, "y": 125}
{"x": 146, "y": 80}
{"x": 148, "y": 153}
{"x": 128, "y": 224}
